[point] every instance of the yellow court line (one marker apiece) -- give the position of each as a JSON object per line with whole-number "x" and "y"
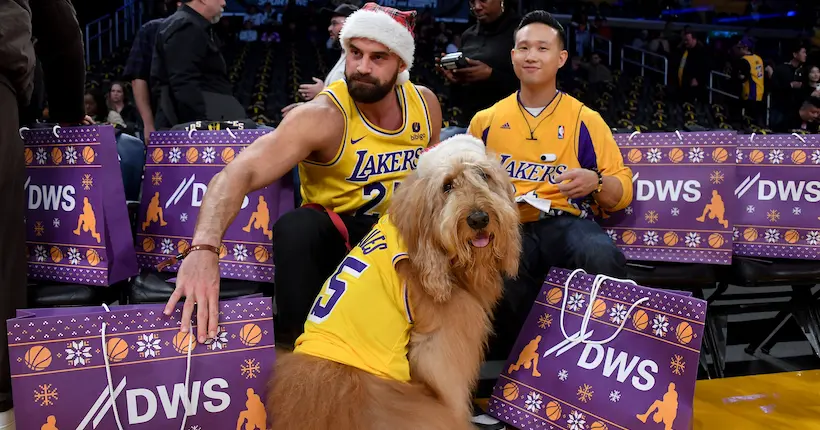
{"x": 188, "y": 238}
{"x": 528, "y": 412}
{"x": 625, "y": 327}
{"x": 71, "y": 245}
{"x": 95, "y": 336}
{"x": 563, "y": 401}
{"x": 70, "y": 265}
{"x": 182, "y": 356}
{"x": 668, "y": 229}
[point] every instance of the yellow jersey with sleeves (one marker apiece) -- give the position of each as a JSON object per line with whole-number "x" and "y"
{"x": 753, "y": 86}
{"x": 566, "y": 131}
{"x": 362, "y": 316}
{"x": 371, "y": 161}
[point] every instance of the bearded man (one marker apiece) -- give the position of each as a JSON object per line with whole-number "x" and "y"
{"x": 354, "y": 144}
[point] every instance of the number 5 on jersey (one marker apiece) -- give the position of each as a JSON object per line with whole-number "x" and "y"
{"x": 335, "y": 288}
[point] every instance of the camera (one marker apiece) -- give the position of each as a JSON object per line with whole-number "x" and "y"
{"x": 454, "y": 61}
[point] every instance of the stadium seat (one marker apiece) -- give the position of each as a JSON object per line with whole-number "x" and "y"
{"x": 48, "y": 294}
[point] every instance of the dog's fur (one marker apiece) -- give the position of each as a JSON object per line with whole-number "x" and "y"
{"x": 453, "y": 288}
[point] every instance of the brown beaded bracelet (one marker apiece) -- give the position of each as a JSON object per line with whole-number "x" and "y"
{"x": 173, "y": 260}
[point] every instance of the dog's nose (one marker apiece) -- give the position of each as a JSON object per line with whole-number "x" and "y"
{"x": 478, "y": 220}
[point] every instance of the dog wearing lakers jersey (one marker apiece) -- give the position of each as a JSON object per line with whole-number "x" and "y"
{"x": 396, "y": 337}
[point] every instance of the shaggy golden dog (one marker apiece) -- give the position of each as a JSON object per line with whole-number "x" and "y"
{"x": 456, "y": 217}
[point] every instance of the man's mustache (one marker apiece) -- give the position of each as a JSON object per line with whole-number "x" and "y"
{"x": 363, "y": 78}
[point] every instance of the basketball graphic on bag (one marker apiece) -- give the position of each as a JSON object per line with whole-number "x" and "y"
{"x": 250, "y": 334}
{"x": 599, "y": 308}
{"x": 29, "y": 156}
{"x": 192, "y": 155}
{"x": 38, "y": 358}
{"x": 117, "y": 349}
{"x": 629, "y": 237}
{"x": 182, "y": 341}
{"x": 261, "y": 254}
{"x": 798, "y": 156}
{"x": 597, "y": 425}
{"x": 510, "y": 391}
{"x": 676, "y": 155}
{"x": 56, "y": 156}
{"x": 88, "y": 155}
{"x": 228, "y": 155}
{"x": 634, "y": 156}
{"x": 756, "y": 156}
{"x": 182, "y": 246}
{"x": 720, "y": 155}
{"x": 157, "y": 155}
{"x": 670, "y": 238}
{"x": 792, "y": 236}
{"x": 554, "y": 295}
{"x": 640, "y": 319}
{"x": 750, "y": 234}
{"x": 684, "y": 333}
{"x": 148, "y": 244}
{"x": 223, "y": 251}
{"x": 56, "y": 254}
{"x": 93, "y": 257}
{"x": 716, "y": 240}
{"x": 553, "y": 410}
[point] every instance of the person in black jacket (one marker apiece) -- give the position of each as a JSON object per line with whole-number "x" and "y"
{"x": 59, "y": 48}
{"x": 693, "y": 69}
{"x": 486, "y": 46}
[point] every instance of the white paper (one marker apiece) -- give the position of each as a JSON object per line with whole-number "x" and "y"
{"x": 542, "y": 205}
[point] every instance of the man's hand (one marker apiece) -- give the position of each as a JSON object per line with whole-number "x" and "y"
{"x": 477, "y": 71}
{"x": 581, "y": 183}
{"x": 448, "y": 74}
{"x": 198, "y": 282}
{"x": 694, "y": 82}
{"x": 147, "y": 130}
{"x": 290, "y": 107}
{"x": 309, "y": 91}
{"x": 797, "y": 85}
{"x": 87, "y": 120}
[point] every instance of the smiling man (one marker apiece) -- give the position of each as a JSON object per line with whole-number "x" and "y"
{"x": 563, "y": 160}
{"x": 354, "y": 144}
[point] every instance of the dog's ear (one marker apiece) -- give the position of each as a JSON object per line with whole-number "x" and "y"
{"x": 413, "y": 211}
{"x": 508, "y": 239}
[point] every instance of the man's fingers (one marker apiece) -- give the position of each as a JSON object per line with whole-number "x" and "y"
{"x": 568, "y": 175}
{"x": 187, "y": 312}
{"x": 202, "y": 318}
{"x": 318, "y": 81}
{"x": 213, "y": 315}
{"x": 175, "y": 296}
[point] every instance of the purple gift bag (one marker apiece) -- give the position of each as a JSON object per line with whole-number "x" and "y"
{"x": 682, "y": 206}
{"x": 179, "y": 166}
{"x": 77, "y": 226}
{"x": 597, "y": 353}
{"x": 778, "y": 192}
{"x": 68, "y": 364}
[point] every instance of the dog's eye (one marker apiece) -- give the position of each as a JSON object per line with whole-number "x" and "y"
{"x": 447, "y": 187}
{"x": 482, "y": 174}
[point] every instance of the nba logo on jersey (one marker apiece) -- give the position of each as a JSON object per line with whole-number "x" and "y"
{"x": 416, "y": 127}
{"x": 560, "y": 131}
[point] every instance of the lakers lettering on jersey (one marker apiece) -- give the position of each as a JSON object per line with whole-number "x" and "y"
{"x": 753, "y": 86}
{"x": 362, "y": 316}
{"x": 567, "y": 132}
{"x": 371, "y": 162}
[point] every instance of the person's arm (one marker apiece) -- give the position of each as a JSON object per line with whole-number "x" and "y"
{"x": 16, "y": 50}
{"x": 184, "y": 51}
{"x": 434, "y": 109}
{"x": 60, "y": 49}
{"x": 266, "y": 160}
{"x": 142, "y": 98}
{"x": 616, "y": 192}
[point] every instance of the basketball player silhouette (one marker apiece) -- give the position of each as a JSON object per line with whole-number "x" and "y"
{"x": 87, "y": 221}
{"x": 260, "y": 219}
{"x": 528, "y": 357}
{"x": 154, "y": 213}
{"x": 51, "y": 423}
{"x": 715, "y": 209}
{"x": 255, "y": 414}
{"x": 667, "y": 409}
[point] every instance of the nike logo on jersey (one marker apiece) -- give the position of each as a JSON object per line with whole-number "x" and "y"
{"x": 355, "y": 141}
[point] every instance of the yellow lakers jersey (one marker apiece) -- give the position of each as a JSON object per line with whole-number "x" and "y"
{"x": 534, "y": 150}
{"x": 362, "y": 316}
{"x": 753, "y": 86}
{"x": 371, "y": 161}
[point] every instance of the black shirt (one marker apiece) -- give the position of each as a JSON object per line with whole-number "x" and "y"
{"x": 491, "y": 44}
{"x": 187, "y": 62}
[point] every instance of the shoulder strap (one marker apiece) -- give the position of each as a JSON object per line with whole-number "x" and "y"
{"x": 336, "y": 220}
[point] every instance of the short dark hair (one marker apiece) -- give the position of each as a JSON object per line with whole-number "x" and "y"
{"x": 798, "y": 46}
{"x": 811, "y": 101}
{"x": 546, "y": 18}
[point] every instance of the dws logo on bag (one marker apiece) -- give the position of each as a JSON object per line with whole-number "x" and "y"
{"x": 784, "y": 191}
{"x": 681, "y": 200}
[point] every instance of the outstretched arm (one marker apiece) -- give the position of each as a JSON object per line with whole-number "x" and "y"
{"x": 269, "y": 158}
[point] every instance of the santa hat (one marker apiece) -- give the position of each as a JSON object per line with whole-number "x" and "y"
{"x": 436, "y": 159}
{"x": 390, "y": 27}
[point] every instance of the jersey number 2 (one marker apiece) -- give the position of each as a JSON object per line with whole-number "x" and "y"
{"x": 374, "y": 194}
{"x": 335, "y": 288}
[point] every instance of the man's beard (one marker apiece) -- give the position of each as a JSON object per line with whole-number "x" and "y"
{"x": 361, "y": 90}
